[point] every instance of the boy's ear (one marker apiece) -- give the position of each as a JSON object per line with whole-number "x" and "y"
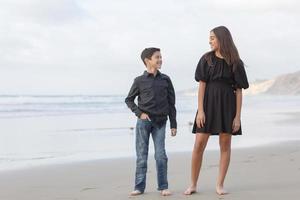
{"x": 147, "y": 60}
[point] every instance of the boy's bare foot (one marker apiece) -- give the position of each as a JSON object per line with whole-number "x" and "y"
{"x": 135, "y": 193}
{"x": 165, "y": 192}
{"x": 190, "y": 190}
{"x": 220, "y": 190}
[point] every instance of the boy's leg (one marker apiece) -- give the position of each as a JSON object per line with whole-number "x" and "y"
{"x": 143, "y": 128}
{"x": 158, "y": 136}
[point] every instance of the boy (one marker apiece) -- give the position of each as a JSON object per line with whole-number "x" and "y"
{"x": 156, "y": 101}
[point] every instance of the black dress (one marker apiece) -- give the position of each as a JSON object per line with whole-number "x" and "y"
{"x": 219, "y": 103}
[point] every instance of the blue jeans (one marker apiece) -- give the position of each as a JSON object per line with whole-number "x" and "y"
{"x": 143, "y": 130}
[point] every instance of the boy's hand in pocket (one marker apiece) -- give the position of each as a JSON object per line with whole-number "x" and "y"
{"x": 144, "y": 116}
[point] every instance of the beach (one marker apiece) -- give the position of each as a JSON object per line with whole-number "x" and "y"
{"x": 265, "y": 172}
{"x": 68, "y": 68}
{"x": 82, "y": 147}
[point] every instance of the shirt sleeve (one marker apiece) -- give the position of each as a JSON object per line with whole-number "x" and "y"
{"x": 171, "y": 101}
{"x": 133, "y": 93}
{"x": 202, "y": 70}
{"x": 240, "y": 77}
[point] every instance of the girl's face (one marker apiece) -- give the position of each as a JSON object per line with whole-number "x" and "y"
{"x": 213, "y": 41}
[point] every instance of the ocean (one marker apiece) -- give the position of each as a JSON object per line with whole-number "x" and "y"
{"x": 49, "y": 129}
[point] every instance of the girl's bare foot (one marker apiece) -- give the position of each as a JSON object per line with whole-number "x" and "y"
{"x": 190, "y": 190}
{"x": 165, "y": 192}
{"x": 135, "y": 193}
{"x": 220, "y": 190}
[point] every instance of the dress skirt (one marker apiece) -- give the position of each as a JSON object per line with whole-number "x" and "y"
{"x": 219, "y": 106}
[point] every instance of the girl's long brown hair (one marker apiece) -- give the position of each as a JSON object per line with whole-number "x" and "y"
{"x": 227, "y": 47}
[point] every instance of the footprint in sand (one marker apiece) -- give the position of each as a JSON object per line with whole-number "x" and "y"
{"x": 85, "y": 189}
{"x": 212, "y": 166}
{"x": 249, "y": 161}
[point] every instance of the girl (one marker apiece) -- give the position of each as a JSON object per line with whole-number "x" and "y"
{"x": 221, "y": 76}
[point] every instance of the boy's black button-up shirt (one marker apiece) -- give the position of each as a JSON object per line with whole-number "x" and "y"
{"x": 156, "y": 97}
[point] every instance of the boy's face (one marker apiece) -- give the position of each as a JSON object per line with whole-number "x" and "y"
{"x": 155, "y": 61}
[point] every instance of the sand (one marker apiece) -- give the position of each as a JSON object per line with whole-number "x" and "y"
{"x": 262, "y": 172}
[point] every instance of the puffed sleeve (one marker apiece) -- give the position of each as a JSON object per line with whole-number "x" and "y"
{"x": 201, "y": 70}
{"x": 240, "y": 77}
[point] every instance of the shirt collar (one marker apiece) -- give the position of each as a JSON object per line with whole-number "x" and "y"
{"x": 149, "y": 74}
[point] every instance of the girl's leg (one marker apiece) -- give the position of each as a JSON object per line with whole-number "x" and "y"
{"x": 199, "y": 147}
{"x": 225, "y": 151}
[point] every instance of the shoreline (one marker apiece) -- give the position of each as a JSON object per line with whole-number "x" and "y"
{"x": 70, "y": 161}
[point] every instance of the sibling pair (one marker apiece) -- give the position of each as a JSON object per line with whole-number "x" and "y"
{"x": 221, "y": 76}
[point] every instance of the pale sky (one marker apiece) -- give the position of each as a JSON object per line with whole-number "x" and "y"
{"x": 94, "y": 46}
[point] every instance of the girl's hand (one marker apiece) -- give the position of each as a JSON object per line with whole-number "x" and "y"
{"x": 200, "y": 120}
{"x": 236, "y": 124}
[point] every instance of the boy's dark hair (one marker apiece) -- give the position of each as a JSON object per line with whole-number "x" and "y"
{"x": 148, "y": 52}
